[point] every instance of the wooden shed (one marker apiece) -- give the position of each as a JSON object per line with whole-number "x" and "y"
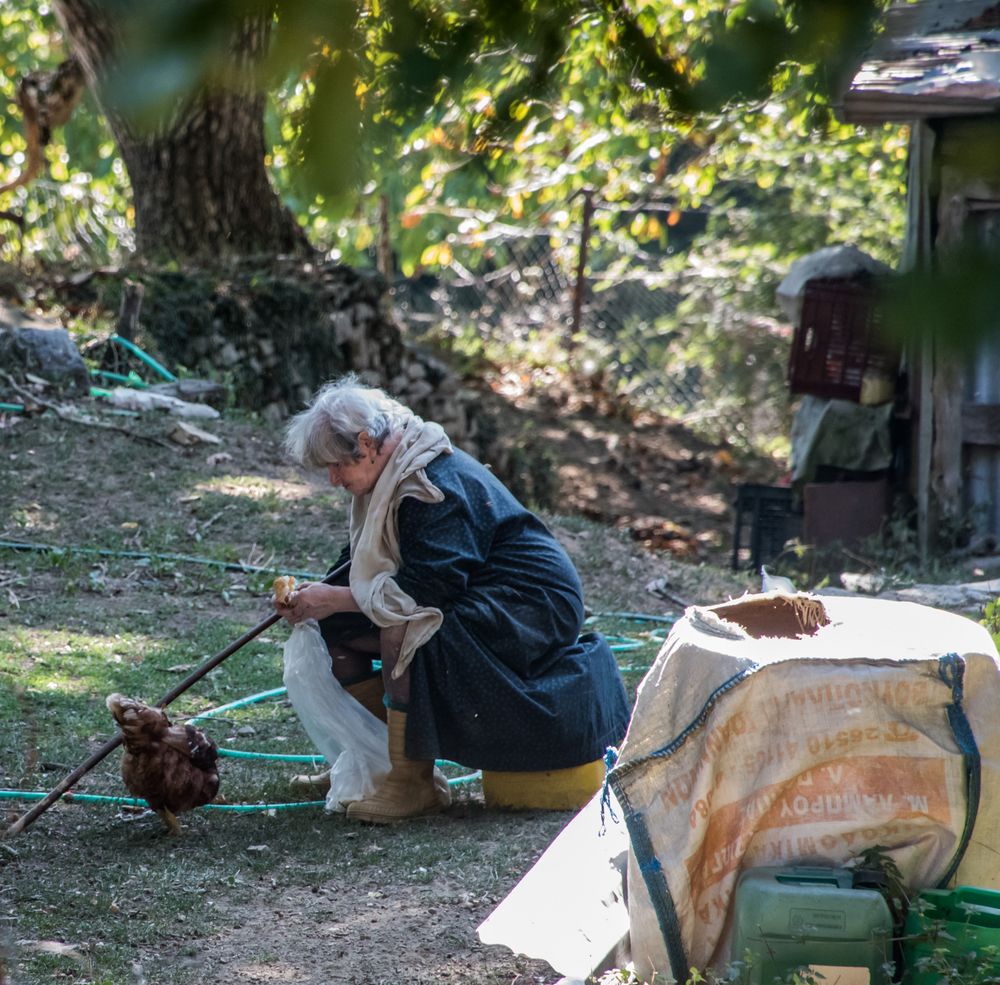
{"x": 936, "y": 67}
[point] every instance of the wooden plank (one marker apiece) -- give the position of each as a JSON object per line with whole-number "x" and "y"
{"x": 981, "y": 424}
{"x": 946, "y": 456}
{"x": 946, "y": 453}
{"x": 917, "y": 254}
{"x": 925, "y": 445}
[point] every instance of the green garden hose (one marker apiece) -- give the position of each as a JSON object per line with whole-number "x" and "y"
{"x": 14, "y": 545}
{"x": 95, "y": 798}
{"x": 144, "y": 356}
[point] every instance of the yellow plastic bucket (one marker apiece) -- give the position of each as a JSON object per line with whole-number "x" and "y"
{"x": 546, "y": 790}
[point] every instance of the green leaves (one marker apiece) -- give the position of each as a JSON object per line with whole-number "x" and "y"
{"x": 419, "y": 61}
{"x": 77, "y": 207}
{"x": 468, "y": 115}
{"x": 332, "y": 130}
{"x": 955, "y": 304}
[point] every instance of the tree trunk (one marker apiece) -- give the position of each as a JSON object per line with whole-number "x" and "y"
{"x": 200, "y": 187}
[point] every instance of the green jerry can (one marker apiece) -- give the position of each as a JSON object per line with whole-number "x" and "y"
{"x": 799, "y": 916}
{"x": 959, "y": 922}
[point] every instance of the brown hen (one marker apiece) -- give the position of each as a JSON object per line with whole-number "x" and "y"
{"x": 172, "y": 767}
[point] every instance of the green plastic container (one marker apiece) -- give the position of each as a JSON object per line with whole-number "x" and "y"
{"x": 810, "y": 917}
{"x": 960, "y": 921}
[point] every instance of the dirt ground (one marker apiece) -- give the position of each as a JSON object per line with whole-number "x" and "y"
{"x": 669, "y": 488}
{"x": 360, "y": 931}
{"x": 654, "y": 502}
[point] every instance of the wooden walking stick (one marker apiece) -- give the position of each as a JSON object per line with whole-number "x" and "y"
{"x": 196, "y": 675}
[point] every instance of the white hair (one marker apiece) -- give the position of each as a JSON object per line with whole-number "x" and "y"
{"x": 326, "y": 432}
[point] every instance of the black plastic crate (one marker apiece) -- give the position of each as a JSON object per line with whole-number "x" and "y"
{"x": 767, "y": 517}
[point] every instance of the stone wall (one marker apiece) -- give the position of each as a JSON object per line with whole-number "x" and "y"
{"x": 276, "y": 335}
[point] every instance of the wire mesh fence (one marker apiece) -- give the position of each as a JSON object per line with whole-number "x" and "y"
{"x": 69, "y": 222}
{"x": 604, "y": 302}
{"x": 618, "y": 310}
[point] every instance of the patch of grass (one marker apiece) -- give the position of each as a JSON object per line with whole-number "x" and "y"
{"x": 991, "y": 620}
{"x": 144, "y": 498}
{"x": 891, "y": 558}
{"x": 85, "y": 874}
{"x": 76, "y": 626}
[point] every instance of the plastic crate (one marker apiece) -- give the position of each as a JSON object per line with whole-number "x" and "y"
{"x": 960, "y": 921}
{"x": 765, "y": 520}
{"x": 838, "y": 349}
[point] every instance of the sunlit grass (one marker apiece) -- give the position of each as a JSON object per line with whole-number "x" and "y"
{"x": 69, "y": 664}
{"x": 75, "y": 626}
{"x": 255, "y": 487}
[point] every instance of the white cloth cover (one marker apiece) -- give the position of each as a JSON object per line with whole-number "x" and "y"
{"x": 375, "y": 540}
{"x": 829, "y": 261}
{"x": 743, "y": 752}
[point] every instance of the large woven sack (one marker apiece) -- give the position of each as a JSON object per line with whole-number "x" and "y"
{"x": 777, "y": 730}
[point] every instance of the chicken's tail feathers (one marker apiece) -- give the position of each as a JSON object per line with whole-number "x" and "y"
{"x": 204, "y": 750}
{"x": 200, "y": 748}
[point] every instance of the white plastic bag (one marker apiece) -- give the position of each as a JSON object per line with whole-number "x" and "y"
{"x": 347, "y": 734}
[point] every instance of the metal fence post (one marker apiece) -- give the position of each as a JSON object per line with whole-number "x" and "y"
{"x": 383, "y": 246}
{"x": 579, "y": 287}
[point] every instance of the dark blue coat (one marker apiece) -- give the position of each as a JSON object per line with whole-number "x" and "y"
{"x": 507, "y": 682}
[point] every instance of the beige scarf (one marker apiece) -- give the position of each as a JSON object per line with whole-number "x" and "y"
{"x": 375, "y": 537}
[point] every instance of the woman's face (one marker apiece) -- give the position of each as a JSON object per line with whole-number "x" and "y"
{"x": 358, "y": 475}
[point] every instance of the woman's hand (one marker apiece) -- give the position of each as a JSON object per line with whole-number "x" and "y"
{"x": 316, "y": 601}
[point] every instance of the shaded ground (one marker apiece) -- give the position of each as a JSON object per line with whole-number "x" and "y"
{"x": 668, "y": 488}
{"x": 91, "y": 894}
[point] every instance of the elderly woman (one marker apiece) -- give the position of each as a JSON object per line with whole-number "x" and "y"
{"x": 471, "y": 604}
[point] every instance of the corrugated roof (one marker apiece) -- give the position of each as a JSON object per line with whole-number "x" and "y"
{"x": 933, "y": 58}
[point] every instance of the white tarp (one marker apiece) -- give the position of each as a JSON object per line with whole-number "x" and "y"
{"x": 569, "y": 909}
{"x": 748, "y": 750}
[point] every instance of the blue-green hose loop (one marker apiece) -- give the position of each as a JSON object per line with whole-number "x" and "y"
{"x": 275, "y": 692}
{"x": 95, "y": 798}
{"x": 277, "y": 757}
{"x": 71, "y": 797}
{"x": 145, "y": 357}
{"x": 631, "y": 616}
{"x": 132, "y": 380}
{"x": 12, "y": 408}
{"x": 278, "y": 692}
{"x": 15, "y": 545}
{"x": 624, "y": 644}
